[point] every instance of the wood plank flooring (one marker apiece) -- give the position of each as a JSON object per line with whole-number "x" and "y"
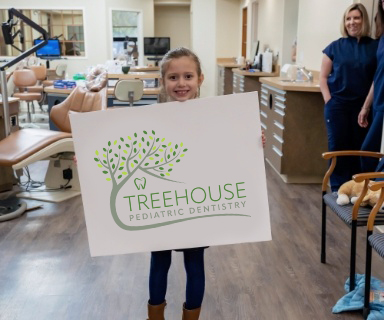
{"x": 46, "y": 271}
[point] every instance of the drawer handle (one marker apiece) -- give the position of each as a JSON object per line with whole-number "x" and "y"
{"x": 270, "y": 101}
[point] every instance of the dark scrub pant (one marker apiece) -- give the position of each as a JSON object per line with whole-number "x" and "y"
{"x": 344, "y": 133}
{"x": 372, "y": 142}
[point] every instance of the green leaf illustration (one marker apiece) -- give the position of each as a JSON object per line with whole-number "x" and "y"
{"x": 119, "y": 176}
{"x": 153, "y": 132}
{"x": 150, "y": 137}
{"x": 157, "y": 162}
{"x": 182, "y": 155}
{"x": 105, "y": 149}
{"x": 121, "y": 168}
{"x": 157, "y": 140}
{"x": 142, "y": 139}
{"x": 109, "y": 143}
{"x": 134, "y": 150}
{"x": 119, "y": 146}
{"x": 135, "y": 161}
{"x": 135, "y": 135}
{"x": 146, "y": 164}
{"x": 176, "y": 146}
{"x": 144, "y": 151}
{"x": 97, "y": 152}
{"x": 145, "y": 132}
{"x": 108, "y": 179}
{"x": 124, "y": 158}
{"x": 151, "y": 158}
{"x": 178, "y": 160}
{"x": 105, "y": 172}
{"x": 97, "y": 160}
{"x": 174, "y": 153}
{"x": 113, "y": 166}
{"x": 161, "y": 174}
{"x": 100, "y": 165}
{"x": 115, "y": 142}
{"x": 168, "y": 156}
{"x": 147, "y": 143}
{"x": 105, "y": 161}
{"x": 185, "y": 150}
{"x": 124, "y": 173}
{"x": 110, "y": 151}
{"x": 169, "y": 170}
{"x": 116, "y": 155}
{"x": 127, "y": 145}
{"x": 111, "y": 160}
{"x": 161, "y": 168}
{"x": 134, "y": 142}
{"x": 122, "y": 139}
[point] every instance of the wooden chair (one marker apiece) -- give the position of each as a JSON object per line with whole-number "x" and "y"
{"x": 352, "y": 215}
{"x": 375, "y": 241}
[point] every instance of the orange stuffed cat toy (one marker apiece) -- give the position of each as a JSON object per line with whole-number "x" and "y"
{"x": 350, "y": 191}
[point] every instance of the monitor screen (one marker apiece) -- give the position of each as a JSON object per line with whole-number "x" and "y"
{"x": 51, "y": 49}
{"x": 156, "y": 46}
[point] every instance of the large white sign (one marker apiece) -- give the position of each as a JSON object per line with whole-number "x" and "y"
{"x": 173, "y": 175}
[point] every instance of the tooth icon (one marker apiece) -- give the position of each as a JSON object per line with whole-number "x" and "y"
{"x": 140, "y": 183}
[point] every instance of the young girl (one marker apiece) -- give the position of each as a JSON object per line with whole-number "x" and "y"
{"x": 181, "y": 78}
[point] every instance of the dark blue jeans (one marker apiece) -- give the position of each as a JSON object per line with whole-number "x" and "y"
{"x": 372, "y": 142}
{"x": 194, "y": 267}
{"x": 344, "y": 133}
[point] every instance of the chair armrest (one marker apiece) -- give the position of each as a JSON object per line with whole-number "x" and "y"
{"x": 332, "y": 154}
{"x": 360, "y": 177}
{"x": 333, "y": 157}
{"x": 375, "y": 186}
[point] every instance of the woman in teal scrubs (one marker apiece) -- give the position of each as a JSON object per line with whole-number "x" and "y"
{"x": 346, "y": 75}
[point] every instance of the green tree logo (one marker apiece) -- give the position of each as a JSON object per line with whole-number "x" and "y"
{"x": 149, "y": 154}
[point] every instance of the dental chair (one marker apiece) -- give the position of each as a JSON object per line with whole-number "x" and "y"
{"x": 26, "y": 146}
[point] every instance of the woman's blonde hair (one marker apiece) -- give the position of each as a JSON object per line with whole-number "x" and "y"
{"x": 175, "y": 54}
{"x": 366, "y": 28}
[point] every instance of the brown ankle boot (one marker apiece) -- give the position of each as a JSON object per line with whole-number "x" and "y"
{"x": 191, "y": 314}
{"x": 156, "y": 312}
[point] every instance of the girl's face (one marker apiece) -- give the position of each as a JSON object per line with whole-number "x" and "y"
{"x": 354, "y": 23}
{"x": 181, "y": 81}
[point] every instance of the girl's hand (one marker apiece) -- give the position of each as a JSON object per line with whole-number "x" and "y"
{"x": 362, "y": 118}
{"x": 75, "y": 159}
{"x": 263, "y": 139}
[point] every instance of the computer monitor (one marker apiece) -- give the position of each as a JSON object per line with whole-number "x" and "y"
{"x": 51, "y": 49}
{"x": 156, "y": 46}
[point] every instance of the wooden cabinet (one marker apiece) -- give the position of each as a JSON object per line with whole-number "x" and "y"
{"x": 295, "y": 130}
{"x": 225, "y": 78}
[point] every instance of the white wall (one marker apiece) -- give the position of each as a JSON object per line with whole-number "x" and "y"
{"x": 291, "y": 13}
{"x": 319, "y": 25}
{"x": 203, "y": 26}
{"x": 174, "y": 22}
{"x": 228, "y": 28}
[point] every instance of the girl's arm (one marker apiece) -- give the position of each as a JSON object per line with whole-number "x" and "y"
{"x": 263, "y": 139}
{"x": 326, "y": 68}
{"x": 363, "y": 115}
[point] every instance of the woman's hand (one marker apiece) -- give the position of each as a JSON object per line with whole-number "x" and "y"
{"x": 362, "y": 118}
{"x": 75, "y": 159}
{"x": 263, "y": 139}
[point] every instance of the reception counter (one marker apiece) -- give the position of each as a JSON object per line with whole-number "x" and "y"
{"x": 292, "y": 115}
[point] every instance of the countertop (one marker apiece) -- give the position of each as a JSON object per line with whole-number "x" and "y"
{"x": 256, "y": 74}
{"x": 51, "y": 89}
{"x": 292, "y": 86}
{"x": 228, "y": 64}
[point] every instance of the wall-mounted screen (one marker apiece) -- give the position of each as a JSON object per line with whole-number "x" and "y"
{"x": 51, "y": 49}
{"x": 156, "y": 46}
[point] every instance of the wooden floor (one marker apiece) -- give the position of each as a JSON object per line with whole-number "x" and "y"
{"x": 46, "y": 271}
